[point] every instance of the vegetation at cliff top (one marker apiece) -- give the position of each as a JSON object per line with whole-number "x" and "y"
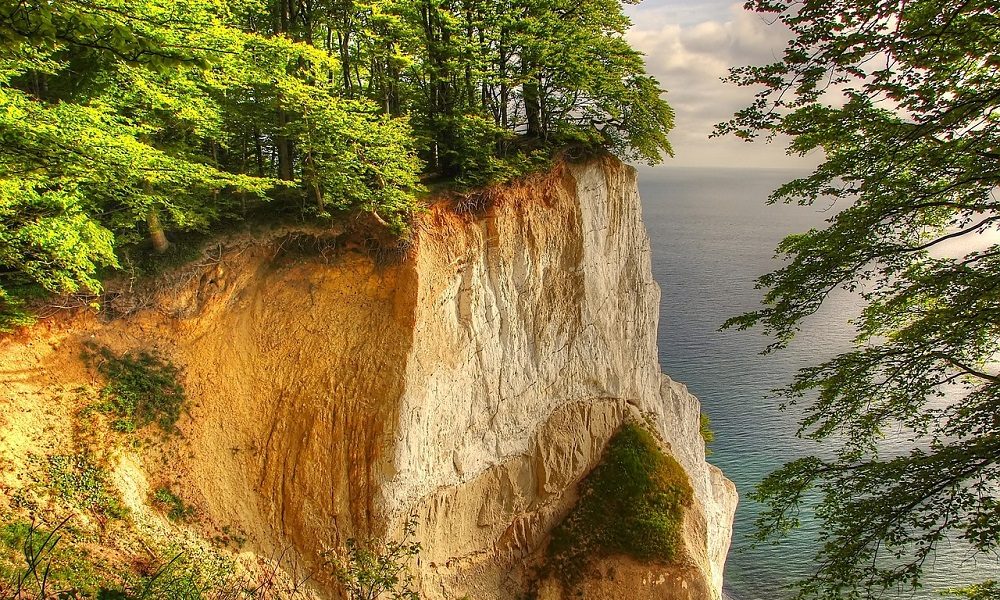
{"x": 125, "y": 122}
{"x": 903, "y": 99}
{"x": 631, "y": 504}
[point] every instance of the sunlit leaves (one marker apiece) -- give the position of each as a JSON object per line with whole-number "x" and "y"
{"x": 901, "y": 101}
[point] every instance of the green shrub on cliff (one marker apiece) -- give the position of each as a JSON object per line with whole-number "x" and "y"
{"x": 705, "y": 429}
{"x": 141, "y": 389}
{"x": 631, "y": 504}
{"x": 379, "y": 571}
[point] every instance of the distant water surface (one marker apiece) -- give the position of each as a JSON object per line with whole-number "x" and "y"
{"x": 712, "y": 235}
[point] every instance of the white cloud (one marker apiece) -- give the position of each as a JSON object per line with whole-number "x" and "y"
{"x": 689, "y": 57}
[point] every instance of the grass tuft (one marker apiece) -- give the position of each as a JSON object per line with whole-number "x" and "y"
{"x": 172, "y": 505}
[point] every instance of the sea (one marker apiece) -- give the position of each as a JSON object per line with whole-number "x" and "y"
{"x": 712, "y": 234}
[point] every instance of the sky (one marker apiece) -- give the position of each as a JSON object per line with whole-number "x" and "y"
{"x": 689, "y": 45}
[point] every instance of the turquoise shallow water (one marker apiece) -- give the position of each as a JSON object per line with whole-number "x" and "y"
{"x": 711, "y": 236}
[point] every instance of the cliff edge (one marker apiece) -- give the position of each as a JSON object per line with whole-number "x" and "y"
{"x": 334, "y": 393}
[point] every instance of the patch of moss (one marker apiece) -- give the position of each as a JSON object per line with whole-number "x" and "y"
{"x": 631, "y": 504}
{"x": 83, "y": 483}
{"x": 141, "y": 389}
{"x": 172, "y": 505}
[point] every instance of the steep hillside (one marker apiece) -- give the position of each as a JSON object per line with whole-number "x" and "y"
{"x": 333, "y": 392}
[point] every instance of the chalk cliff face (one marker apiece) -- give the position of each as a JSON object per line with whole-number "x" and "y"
{"x": 473, "y": 384}
{"x": 535, "y": 337}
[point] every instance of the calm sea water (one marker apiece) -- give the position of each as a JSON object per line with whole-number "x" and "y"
{"x": 712, "y": 235}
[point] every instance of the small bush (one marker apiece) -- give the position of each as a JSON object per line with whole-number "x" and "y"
{"x": 77, "y": 479}
{"x": 988, "y": 590}
{"x": 706, "y": 431}
{"x": 171, "y": 504}
{"x": 632, "y": 504}
{"x": 377, "y": 572}
{"x": 140, "y": 390}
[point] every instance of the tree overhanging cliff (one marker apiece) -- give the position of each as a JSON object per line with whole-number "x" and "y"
{"x": 902, "y": 99}
{"x": 125, "y": 120}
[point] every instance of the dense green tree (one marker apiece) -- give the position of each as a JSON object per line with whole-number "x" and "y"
{"x": 903, "y": 100}
{"x": 78, "y": 162}
{"x": 123, "y": 122}
{"x": 118, "y": 124}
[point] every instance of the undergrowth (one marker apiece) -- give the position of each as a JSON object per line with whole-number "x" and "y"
{"x": 81, "y": 482}
{"x": 50, "y": 562}
{"x": 631, "y": 504}
{"x": 171, "y": 505}
{"x": 141, "y": 388}
{"x": 34, "y": 565}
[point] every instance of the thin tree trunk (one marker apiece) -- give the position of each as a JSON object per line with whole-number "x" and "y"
{"x": 258, "y": 151}
{"x": 156, "y": 234}
{"x": 284, "y": 149}
{"x": 532, "y": 105}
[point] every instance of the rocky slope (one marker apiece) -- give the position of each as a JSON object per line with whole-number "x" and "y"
{"x": 474, "y": 384}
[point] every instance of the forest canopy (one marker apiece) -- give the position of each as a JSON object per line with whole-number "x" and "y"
{"x": 123, "y": 122}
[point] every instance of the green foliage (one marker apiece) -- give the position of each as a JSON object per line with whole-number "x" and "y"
{"x": 140, "y": 389}
{"x": 38, "y": 563}
{"x": 705, "y": 429}
{"x": 125, "y": 120}
{"x": 172, "y": 505}
{"x": 83, "y": 483}
{"x": 47, "y": 241}
{"x": 901, "y": 99}
{"x": 380, "y": 571}
{"x": 34, "y": 565}
{"x": 632, "y": 503}
{"x": 180, "y": 578}
{"x": 988, "y": 590}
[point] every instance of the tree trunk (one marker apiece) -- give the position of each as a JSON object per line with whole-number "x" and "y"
{"x": 258, "y": 151}
{"x": 156, "y": 234}
{"x": 532, "y": 109}
{"x": 532, "y": 104}
{"x": 285, "y": 171}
